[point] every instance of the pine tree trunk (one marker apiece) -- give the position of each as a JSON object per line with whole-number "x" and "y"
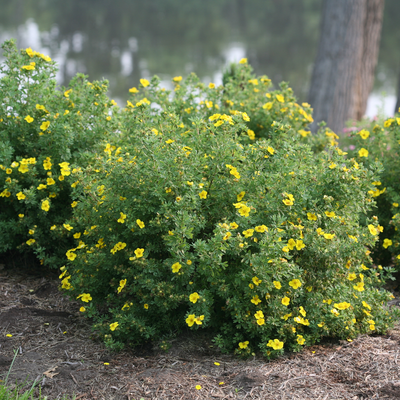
{"x": 347, "y": 55}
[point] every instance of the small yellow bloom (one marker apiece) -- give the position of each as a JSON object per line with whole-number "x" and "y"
{"x": 364, "y": 134}
{"x": 295, "y": 283}
{"x": 276, "y": 344}
{"x": 176, "y": 267}
{"x": 256, "y": 281}
{"x": 194, "y": 297}
{"x": 285, "y": 301}
{"x": 255, "y": 300}
{"x": 144, "y": 82}
{"x": 311, "y": 216}
{"x": 243, "y": 345}
{"x": 300, "y": 339}
{"x": 140, "y": 223}
{"x": 198, "y": 387}
{"x": 363, "y": 153}
{"x": 243, "y": 61}
{"x": 330, "y": 214}
{"x": 387, "y": 243}
{"x": 45, "y": 205}
{"x": 114, "y": 326}
{"x": 86, "y": 297}
{"x": 203, "y": 194}
{"x": 277, "y": 284}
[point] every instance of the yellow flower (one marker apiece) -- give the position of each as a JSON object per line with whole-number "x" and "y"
{"x": 194, "y": 297}
{"x": 68, "y": 227}
{"x": 243, "y": 61}
{"x": 261, "y": 228}
{"x": 261, "y": 321}
{"x": 342, "y": 306}
{"x": 295, "y": 283}
{"x": 45, "y": 125}
{"x": 251, "y": 134}
{"x": 351, "y": 277}
{"x": 277, "y": 284}
{"x": 311, "y": 216}
{"x": 176, "y": 267}
{"x": 300, "y": 245}
{"x": 198, "y": 387}
{"x": 86, "y": 297}
{"x": 245, "y": 117}
{"x": 122, "y": 218}
{"x": 144, "y": 82}
{"x": 300, "y": 339}
{"x": 139, "y": 252}
{"x": 20, "y": 196}
{"x": 280, "y": 98}
{"x": 363, "y": 152}
{"x": 256, "y": 281}
{"x": 243, "y": 345}
{"x": 46, "y": 205}
{"x": 140, "y": 223}
{"x": 270, "y": 150}
{"x": 285, "y": 301}
{"x": 387, "y": 243}
{"x": 70, "y": 255}
{"x": 211, "y": 85}
{"x": 255, "y": 300}
{"x": 248, "y": 233}
{"x": 114, "y": 326}
{"x": 240, "y": 196}
{"x": 203, "y": 194}
{"x": 330, "y": 214}
{"x": 67, "y": 92}
{"x": 122, "y": 284}
{"x": 276, "y": 344}
{"x": 364, "y": 134}
{"x": 359, "y": 286}
{"x": 133, "y": 90}
{"x": 30, "y": 242}
{"x": 329, "y": 236}
{"x": 190, "y": 320}
{"x": 82, "y": 309}
{"x": 259, "y": 314}
{"x": 372, "y": 230}
{"x": 50, "y": 181}
{"x": 335, "y": 312}
{"x": 29, "y": 67}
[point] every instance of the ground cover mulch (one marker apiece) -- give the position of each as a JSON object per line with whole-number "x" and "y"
{"x": 56, "y": 348}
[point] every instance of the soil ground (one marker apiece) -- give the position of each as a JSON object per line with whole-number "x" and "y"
{"x": 56, "y": 348}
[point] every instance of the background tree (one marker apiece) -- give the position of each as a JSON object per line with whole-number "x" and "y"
{"x": 347, "y": 55}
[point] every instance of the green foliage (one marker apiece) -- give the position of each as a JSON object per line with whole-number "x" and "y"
{"x": 186, "y": 221}
{"x": 380, "y": 140}
{"x": 43, "y": 131}
{"x": 208, "y": 207}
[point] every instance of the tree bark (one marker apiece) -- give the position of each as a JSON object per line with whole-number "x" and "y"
{"x": 396, "y": 109}
{"x": 344, "y": 70}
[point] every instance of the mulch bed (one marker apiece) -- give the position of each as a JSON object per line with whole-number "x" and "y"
{"x": 56, "y": 348}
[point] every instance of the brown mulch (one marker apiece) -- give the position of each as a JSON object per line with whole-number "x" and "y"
{"x": 55, "y": 348}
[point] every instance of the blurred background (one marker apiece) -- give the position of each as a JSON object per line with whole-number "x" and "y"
{"x": 125, "y": 40}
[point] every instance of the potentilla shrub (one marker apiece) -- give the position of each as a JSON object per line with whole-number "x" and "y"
{"x": 183, "y": 221}
{"x": 379, "y": 140}
{"x": 44, "y": 130}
